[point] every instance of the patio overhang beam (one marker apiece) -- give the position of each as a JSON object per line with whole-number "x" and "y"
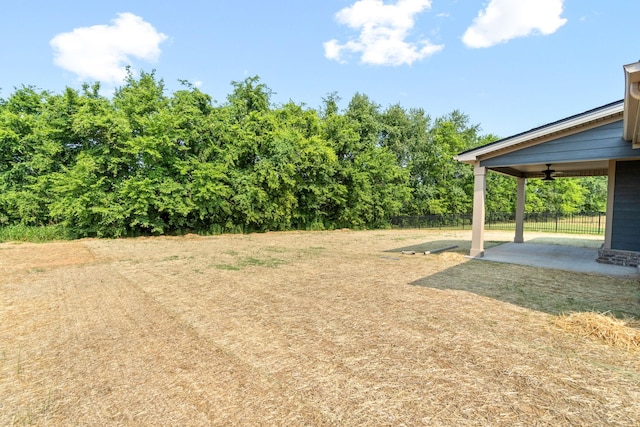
{"x": 514, "y": 172}
{"x": 509, "y": 172}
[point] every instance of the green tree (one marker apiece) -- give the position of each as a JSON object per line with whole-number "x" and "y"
{"x": 30, "y": 150}
{"x": 563, "y": 196}
{"x": 262, "y": 176}
{"x": 249, "y": 96}
{"x": 203, "y": 165}
{"x": 314, "y": 165}
{"x": 148, "y": 162}
{"x": 85, "y": 191}
{"x": 501, "y": 193}
{"x": 371, "y": 184}
{"x": 595, "y": 193}
{"x": 440, "y": 184}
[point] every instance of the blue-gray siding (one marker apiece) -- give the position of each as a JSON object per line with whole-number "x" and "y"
{"x": 600, "y": 143}
{"x": 625, "y": 231}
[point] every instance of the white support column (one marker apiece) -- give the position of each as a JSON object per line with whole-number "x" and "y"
{"x": 522, "y": 194}
{"x": 611, "y": 186}
{"x": 479, "y": 190}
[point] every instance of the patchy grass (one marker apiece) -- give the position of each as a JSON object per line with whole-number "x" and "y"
{"x": 304, "y": 328}
{"x": 228, "y": 267}
{"x": 251, "y": 262}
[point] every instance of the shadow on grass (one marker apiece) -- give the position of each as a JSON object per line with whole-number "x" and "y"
{"x": 551, "y": 291}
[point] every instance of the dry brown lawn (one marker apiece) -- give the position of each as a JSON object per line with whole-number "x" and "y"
{"x": 303, "y": 328}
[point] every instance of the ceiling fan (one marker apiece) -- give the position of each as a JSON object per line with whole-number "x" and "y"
{"x": 547, "y": 173}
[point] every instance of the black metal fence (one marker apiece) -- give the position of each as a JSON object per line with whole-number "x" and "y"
{"x": 582, "y": 223}
{"x": 456, "y": 221}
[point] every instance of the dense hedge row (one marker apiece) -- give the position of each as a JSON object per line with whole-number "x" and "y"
{"x": 145, "y": 162}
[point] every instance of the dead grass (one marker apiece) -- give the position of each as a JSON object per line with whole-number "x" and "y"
{"x": 322, "y": 328}
{"x": 603, "y": 327}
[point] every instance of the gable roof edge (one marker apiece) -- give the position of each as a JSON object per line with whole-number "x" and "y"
{"x": 578, "y": 120}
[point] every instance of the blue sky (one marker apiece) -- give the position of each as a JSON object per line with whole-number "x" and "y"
{"x": 510, "y": 65}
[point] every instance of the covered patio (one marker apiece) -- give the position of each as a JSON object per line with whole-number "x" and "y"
{"x": 604, "y": 141}
{"x": 558, "y": 257}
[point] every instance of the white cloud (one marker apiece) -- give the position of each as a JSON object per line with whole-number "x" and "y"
{"x": 384, "y": 29}
{"x": 503, "y": 20}
{"x": 102, "y": 52}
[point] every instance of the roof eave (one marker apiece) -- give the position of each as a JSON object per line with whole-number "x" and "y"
{"x": 631, "y": 127}
{"x": 611, "y": 110}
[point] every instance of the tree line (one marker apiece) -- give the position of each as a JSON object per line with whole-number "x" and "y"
{"x": 143, "y": 161}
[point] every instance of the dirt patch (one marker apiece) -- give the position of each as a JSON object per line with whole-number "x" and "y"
{"x": 16, "y": 257}
{"x": 291, "y": 329}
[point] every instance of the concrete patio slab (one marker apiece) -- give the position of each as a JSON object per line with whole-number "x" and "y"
{"x": 568, "y": 258}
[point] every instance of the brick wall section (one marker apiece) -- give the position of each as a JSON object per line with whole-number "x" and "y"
{"x": 616, "y": 257}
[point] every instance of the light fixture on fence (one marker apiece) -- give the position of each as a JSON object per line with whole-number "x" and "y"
{"x": 547, "y": 173}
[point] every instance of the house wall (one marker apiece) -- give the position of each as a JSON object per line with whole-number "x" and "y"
{"x": 625, "y": 231}
{"x": 600, "y": 143}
